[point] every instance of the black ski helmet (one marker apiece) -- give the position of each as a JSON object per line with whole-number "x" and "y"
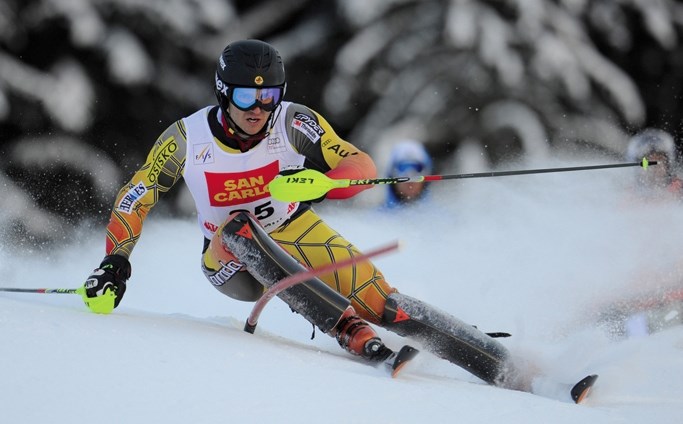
{"x": 248, "y": 63}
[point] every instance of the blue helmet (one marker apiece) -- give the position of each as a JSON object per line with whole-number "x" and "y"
{"x": 409, "y": 157}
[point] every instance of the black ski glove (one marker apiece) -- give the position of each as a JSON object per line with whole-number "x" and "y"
{"x": 105, "y": 287}
{"x": 293, "y": 169}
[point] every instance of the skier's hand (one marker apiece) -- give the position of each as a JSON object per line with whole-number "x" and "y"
{"x": 294, "y": 169}
{"x": 291, "y": 170}
{"x": 105, "y": 287}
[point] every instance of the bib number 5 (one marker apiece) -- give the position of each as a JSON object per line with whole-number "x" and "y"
{"x": 262, "y": 211}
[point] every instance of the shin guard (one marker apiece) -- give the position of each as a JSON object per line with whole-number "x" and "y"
{"x": 269, "y": 263}
{"x": 447, "y": 337}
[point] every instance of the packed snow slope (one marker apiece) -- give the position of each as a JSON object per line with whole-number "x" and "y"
{"x": 538, "y": 256}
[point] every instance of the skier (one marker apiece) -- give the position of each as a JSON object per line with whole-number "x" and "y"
{"x": 227, "y": 154}
{"x": 658, "y": 295}
{"x": 655, "y": 145}
{"x": 408, "y": 158}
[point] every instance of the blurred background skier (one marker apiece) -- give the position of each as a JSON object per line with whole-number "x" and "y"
{"x": 655, "y": 298}
{"x": 407, "y": 158}
{"x": 655, "y": 145}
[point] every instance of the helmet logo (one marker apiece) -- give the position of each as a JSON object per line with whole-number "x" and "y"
{"x": 221, "y": 86}
{"x": 221, "y": 62}
{"x": 258, "y": 80}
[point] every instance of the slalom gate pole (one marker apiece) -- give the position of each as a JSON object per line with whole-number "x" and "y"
{"x": 302, "y": 276}
{"x": 43, "y": 291}
{"x": 310, "y": 184}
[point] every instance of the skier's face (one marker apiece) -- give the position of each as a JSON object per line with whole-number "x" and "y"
{"x": 409, "y": 191}
{"x": 250, "y": 121}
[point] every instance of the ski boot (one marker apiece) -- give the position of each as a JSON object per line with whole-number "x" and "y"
{"x": 357, "y": 337}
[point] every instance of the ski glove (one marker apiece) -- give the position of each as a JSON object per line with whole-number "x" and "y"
{"x": 293, "y": 169}
{"x": 105, "y": 287}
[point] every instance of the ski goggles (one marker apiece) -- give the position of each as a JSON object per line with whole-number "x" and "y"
{"x": 404, "y": 167}
{"x": 248, "y": 98}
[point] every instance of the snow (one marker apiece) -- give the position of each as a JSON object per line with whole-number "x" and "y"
{"x": 127, "y": 60}
{"x": 72, "y": 153}
{"x": 65, "y": 91}
{"x": 524, "y": 120}
{"x": 532, "y": 255}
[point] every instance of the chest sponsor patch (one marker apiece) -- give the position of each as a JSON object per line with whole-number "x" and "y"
{"x": 210, "y": 226}
{"x": 308, "y": 126}
{"x": 203, "y": 153}
{"x": 133, "y": 195}
{"x": 275, "y": 145}
{"x": 236, "y": 188}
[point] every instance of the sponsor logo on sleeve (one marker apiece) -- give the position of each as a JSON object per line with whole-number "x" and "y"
{"x": 203, "y": 153}
{"x": 128, "y": 201}
{"x": 340, "y": 151}
{"x": 236, "y": 188}
{"x": 308, "y": 126}
{"x": 166, "y": 151}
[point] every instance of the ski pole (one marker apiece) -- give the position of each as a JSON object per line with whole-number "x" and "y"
{"x": 302, "y": 276}
{"x": 100, "y": 305}
{"x": 44, "y": 291}
{"x": 310, "y": 184}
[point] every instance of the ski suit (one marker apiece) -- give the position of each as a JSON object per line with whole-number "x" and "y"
{"x": 223, "y": 180}
{"x": 226, "y": 182}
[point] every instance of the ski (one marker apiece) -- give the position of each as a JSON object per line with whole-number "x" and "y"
{"x": 545, "y": 386}
{"x": 582, "y": 388}
{"x": 397, "y": 360}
